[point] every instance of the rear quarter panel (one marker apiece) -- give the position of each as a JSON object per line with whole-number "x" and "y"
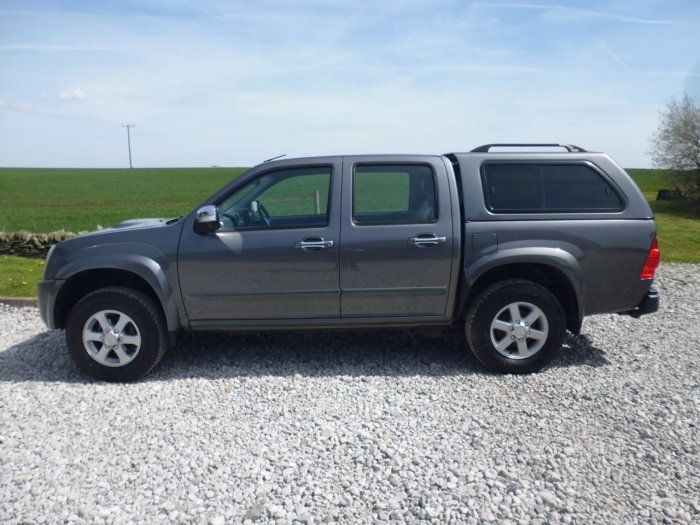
{"x": 601, "y": 253}
{"x": 602, "y": 258}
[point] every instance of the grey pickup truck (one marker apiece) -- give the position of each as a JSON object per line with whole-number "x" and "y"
{"x": 515, "y": 246}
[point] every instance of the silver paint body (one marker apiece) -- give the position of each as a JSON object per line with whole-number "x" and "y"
{"x": 371, "y": 275}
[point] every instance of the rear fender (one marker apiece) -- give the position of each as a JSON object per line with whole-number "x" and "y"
{"x": 556, "y": 258}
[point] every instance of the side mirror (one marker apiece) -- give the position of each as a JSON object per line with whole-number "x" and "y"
{"x": 207, "y": 220}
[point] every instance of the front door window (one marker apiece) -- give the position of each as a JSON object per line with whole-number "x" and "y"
{"x": 286, "y": 198}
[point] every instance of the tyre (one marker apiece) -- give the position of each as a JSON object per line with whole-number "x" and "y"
{"x": 116, "y": 334}
{"x": 515, "y": 326}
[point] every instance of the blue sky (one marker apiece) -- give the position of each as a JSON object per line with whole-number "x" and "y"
{"x": 232, "y": 83}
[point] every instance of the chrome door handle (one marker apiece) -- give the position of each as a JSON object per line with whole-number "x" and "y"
{"x": 313, "y": 244}
{"x": 426, "y": 240}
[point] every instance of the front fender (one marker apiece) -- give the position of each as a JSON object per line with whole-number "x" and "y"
{"x": 143, "y": 260}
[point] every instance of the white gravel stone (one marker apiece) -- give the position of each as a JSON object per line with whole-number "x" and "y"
{"x": 360, "y": 427}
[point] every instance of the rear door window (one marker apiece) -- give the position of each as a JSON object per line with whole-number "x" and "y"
{"x": 394, "y": 194}
{"x": 547, "y": 188}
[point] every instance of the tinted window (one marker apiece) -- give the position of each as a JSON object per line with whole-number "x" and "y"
{"x": 545, "y": 188}
{"x": 392, "y": 193}
{"x": 288, "y": 198}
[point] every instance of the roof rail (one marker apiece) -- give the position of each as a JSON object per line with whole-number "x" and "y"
{"x": 568, "y": 147}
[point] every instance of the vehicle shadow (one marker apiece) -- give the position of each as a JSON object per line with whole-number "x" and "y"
{"x": 216, "y": 355}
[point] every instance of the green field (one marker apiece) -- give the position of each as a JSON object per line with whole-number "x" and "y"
{"x": 650, "y": 181}
{"x": 19, "y": 276}
{"x": 44, "y": 200}
{"x": 678, "y": 222}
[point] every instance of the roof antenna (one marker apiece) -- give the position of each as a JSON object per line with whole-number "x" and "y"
{"x": 275, "y": 158}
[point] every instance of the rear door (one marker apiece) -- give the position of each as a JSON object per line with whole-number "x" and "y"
{"x": 397, "y": 237}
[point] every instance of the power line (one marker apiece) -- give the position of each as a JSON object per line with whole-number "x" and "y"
{"x": 128, "y": 139}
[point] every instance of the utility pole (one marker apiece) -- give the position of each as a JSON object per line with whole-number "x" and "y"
{"x": 128, "y": 139}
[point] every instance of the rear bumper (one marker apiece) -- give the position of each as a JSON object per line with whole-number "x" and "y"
{"x": 649, "y": 304}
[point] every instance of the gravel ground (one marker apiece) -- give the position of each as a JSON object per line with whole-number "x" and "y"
{"x": 360, "y": 427}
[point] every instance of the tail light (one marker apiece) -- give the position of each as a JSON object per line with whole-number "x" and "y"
{"x": 652, "y": 262}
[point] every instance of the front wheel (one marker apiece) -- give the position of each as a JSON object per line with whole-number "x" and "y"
{"x": 515, "y": 326}
{"x": 116, "y": 334}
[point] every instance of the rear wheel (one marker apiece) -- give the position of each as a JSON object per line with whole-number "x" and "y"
{"x": 116, "y": 334}
{"x": 515, "y": 326}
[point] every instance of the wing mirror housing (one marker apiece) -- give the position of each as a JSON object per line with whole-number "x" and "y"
{"x": 207, "y": 220}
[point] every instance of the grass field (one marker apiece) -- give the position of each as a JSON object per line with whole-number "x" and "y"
{"x": 650, "y": 181}
{"x": 19, "y": 276}
{"x": 678, "y": 222}
{"x": 43, "y": 200}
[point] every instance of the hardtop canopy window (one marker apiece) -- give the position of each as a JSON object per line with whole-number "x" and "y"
{"x": 547, "y": 188}
{"x": 394, "y": 194}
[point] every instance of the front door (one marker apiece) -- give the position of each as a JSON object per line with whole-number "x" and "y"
{"x": 397, "y": 237}
{"x": 277, "y": 254}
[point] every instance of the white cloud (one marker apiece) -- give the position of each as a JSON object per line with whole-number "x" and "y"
{"x": 72, "y": 94}
{"x": 234, "y": 83}
{"x": 55, "y": 47}
{"x": 15, "y": 106}
{"x": 614, "y": 56}
{"x": 577, "y": 11}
